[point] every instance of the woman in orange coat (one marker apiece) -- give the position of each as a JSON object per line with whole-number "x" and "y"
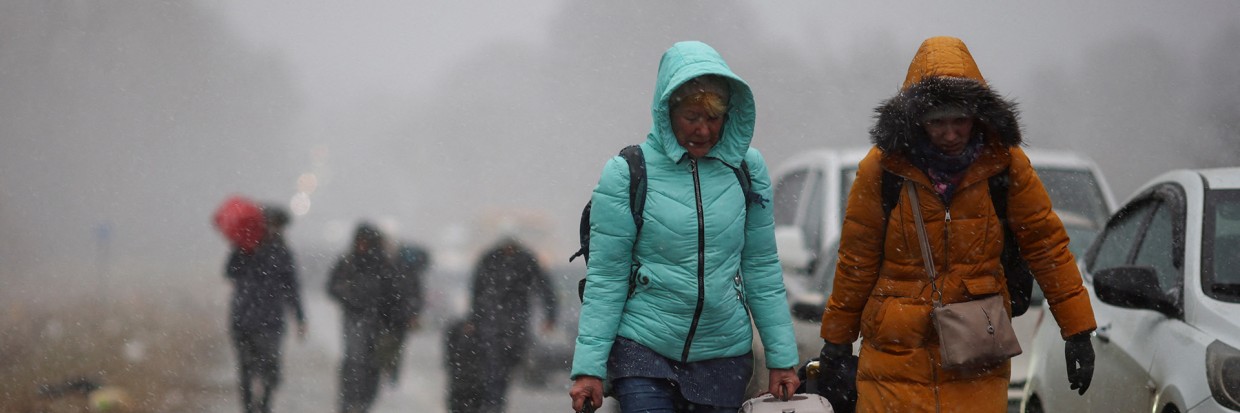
{"x": 946, "y": 133}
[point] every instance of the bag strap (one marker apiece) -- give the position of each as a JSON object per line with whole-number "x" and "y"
{"x": 891, "y": 184}
{"x": 636, "y": 160}
{"x": 632, "y": 155}
{"x": 998, "y": 185}
{"x": 926, "y": 256}
{"x": 746, "y": 180}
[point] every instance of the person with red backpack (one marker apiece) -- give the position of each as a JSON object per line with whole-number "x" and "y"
{"x": 265, "y": 286}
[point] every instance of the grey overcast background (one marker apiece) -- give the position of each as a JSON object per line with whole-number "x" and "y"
{"x": 125, "y": 123}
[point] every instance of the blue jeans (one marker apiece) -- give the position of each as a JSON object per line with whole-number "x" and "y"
{"x": 651, "y": 395}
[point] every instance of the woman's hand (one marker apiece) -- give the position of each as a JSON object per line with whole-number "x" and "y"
{"x": 592, "y": 388}
{"x": 784, "y": 383}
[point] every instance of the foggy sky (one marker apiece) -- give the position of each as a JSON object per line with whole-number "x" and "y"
{"x": 442, "y": 120}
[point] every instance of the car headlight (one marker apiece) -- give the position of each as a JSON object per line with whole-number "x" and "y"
{"x": 1223, "y": 374}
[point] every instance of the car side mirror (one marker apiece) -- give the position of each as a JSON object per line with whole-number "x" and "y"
{"x": 807, "y": 311}
{"x": 1134, "y": 287}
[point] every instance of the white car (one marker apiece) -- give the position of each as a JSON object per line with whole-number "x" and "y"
{"x": 811, "y": 191}
{"x": 1164, "y": 281}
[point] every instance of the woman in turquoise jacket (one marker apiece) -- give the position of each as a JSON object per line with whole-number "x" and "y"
{"x": 675, "y": 335}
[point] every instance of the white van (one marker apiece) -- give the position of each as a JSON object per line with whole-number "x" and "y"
{"x": 811, "y": 191}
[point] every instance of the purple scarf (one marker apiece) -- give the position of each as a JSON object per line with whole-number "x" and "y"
{"x": 945, "y": 170}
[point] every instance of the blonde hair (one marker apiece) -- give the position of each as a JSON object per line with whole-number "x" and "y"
{"x": 714, "y": 104}
{"x": 710, "y": 92}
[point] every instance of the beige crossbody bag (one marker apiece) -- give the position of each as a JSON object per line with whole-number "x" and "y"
{"x": 972, "y": 334}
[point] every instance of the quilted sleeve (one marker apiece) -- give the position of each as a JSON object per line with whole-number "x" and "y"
{"x": 861, "y": 246}
{"x": 762, "y": 274}
{"x": 1044, "y": 244}
{"x": 612, "y": 234}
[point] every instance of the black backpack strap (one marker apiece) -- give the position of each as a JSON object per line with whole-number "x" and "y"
{"x": 1019, "y": 276}
{"x": 636, "y": 160}
{"x": 891, "y": 184}
{"x": 583, "y": 229}
{"x": 742, "y": 176}
{"x": 999, "y": 196}
{"x": 637, "y": 198}
{"x": 745, "y": 178}
{"x": 632, "y": 154}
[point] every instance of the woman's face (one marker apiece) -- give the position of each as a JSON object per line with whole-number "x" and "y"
{"x": 950, "y": 134}
{"x": 695, "y": 129}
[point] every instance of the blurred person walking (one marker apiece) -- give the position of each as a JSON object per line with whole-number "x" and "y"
{"x": 942, "y": 138}
{"x": 497, "y": 327}
{"x": 401, "y": 307}
{"x": 265, "y": 285}
{"x": 669, "y": 306}
{"x": 360, "y": 282}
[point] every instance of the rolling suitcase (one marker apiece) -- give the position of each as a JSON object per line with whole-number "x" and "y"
{"x": 806, "y": 399}
{"x": 800, "y": 403}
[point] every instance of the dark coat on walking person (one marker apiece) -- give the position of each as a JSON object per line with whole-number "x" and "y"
{"x": 405, "y": 297}
{"x": 359, "y": 282}
{"x": 401, "y": 307}
{"x": 265, "y": 287}
{"x": 504, "y": 281}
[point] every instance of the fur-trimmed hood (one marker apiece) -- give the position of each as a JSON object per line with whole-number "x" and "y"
{"x": 943, "y": 74}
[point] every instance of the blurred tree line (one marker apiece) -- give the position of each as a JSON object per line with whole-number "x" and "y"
{"x": 129, "y": 115}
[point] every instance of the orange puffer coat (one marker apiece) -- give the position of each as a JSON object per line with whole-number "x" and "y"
{"x": 881, "y": 290}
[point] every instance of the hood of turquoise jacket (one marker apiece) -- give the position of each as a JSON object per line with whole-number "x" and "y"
{"x": 681, "y": 63}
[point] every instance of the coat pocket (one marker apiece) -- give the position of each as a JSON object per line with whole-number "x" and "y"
{"x": 981, "y": 286}
{"x": 900, "y": 323}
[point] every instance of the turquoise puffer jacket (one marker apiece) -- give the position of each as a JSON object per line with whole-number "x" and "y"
{"x": 703, "y": 259}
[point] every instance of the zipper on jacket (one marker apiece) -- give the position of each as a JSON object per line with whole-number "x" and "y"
{"x": 947, "y": 236}
{"x": 701, "y": 258}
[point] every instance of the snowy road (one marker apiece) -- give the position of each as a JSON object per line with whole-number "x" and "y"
{"x": 310, "y": 374}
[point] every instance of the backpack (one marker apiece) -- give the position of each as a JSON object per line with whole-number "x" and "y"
{"x": 1019, "y": 276}
{"x": 633, "y": 155}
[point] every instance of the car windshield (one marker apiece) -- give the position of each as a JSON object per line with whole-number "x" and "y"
{"x": 847, "y": 176}
{"x": 1221, "y": 240}
{"x": 1076, "y": 196}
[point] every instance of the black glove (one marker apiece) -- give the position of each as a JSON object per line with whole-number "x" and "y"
{"x": 1079, "y": 353}
{"x": 837, "y": 376}
{"x": 833, "y": 351}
